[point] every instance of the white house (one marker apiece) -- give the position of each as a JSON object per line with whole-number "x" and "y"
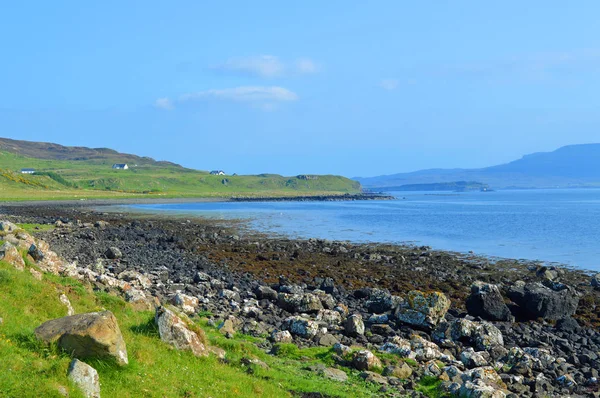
{"x": 217, "y": 173}
{"x": 120, "y": 166}
{"x": 27, "y": 171}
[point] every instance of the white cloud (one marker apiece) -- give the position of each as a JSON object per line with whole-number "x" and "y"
{"x": 306, "y": 66}
{"x": 389, "y": 84}
{"x": 261, "y": 96}
{"x": 268, "y": 66}
{"x": 164, "y": 103}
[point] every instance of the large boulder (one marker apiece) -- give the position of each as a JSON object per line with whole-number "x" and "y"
{"x": 553, "y": 302}
{"x": 424, "y": 310}
{"x": 11, "y": 255}
{"x": 189, "y": 304}
{"x": 85, "y": 377}
{"x": 90, "y": 335}
{"x": 365, "y": 360}
{"x": 381, "y": 301}
{"x": 174, "y": 331}
{"x": 303, "y": 303}
{"x": 7, "y": 227}
{"x": 486, "y": 302}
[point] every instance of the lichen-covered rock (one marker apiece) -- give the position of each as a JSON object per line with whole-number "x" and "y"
{"x": 65, "y": 301}
{"x": 188, "y": 304}
{"x": 335, "y": 374}
{"x": 281, "y": 336}
{"x": 474, "y": 359}
{"x": 265, "y": 293}
{"x": 487, "y": 302}
{"x": 365, "y": 360}
{"x": 90, "y": 335}
{"x": 596, "y": 281}
{"x": 301, "y": 303}
{"x": 301, "y": 327}
{"x": 482, "y": 335}
{"x": 7, "y": 226}
{"x": 399, "y": 346}
{"x": 329, "y": 317}
{"x": 354, "y": 325}
{"x": 113, "y": 253}
{"x": 381, "y": 301}
{"x": 11, "y": 255}
{"x": 423, "y": 310}
{"x": 85, "y": 377}
{"x": 402, "y": 371}
{"x": 135, "y": 278}
{"x": 174, "y": 331}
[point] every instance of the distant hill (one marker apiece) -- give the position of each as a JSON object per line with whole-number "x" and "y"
{"x": 62, "y": 172}
{"x": 567, "y": 167}
{"x": 50, "y": 151}
{"x": 456, "y": 186}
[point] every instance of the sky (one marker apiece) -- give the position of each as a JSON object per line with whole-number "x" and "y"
{"x": 326, "y": 87}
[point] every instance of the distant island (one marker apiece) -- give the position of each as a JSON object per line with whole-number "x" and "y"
{"x": 44, "y": 171}
{"x": 456, "y": 186}
{"x": 573, "y": 166}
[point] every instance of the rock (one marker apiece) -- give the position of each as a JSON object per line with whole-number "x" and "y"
{"x": 174, "y": 331}
{"x": 65, "y": 301}
{"x": 472, "y": 359}
{"x": 188, "y": 304}
{"x": 365, "y": 360}
{"x": 201, "y": 277}
{"x": 36, "y": 253}
{"x": 354, "y": 325}
{"x": 302, "y": 303}
{"x": 135, "y": 278}
{"x": 85, "y": 377}
{"x": 484, "y": 336}
{"x": 335, "y": 374}
{"x": 596, "y": 281}
{"x": 8, "y": 227}
{"x": 327, "y": 340}
{"x": 101, "y": 224}
{"x": 11, "y": 255}
{"x": 301, "y": 327}
{"x": 36, "y": 274}
{"x": 486, "y": 301}
{"x": 282, "y": 336}
{"x": 218, "y": 352}
{"x": 329, "y": 317}
{"x": 265, "y": 293}
{"x": 341, "y": 349}
{"x": 381, "y": 301}
{"x": 113, "y": 253}
{"x": 91, "y": 335}
{"x": 372, "y": 377}
{"x": 135, "y": 296}
{"x": 567, "y": 325}
{"x": 540, "y": 301}
{"x": 227, "y": 327}
{"x": 402, "y": 371}
{"x": 423, "y": 310}
{"x": 327, "y": 285}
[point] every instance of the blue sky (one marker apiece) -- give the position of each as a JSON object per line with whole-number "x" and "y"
{"x": 345, "y": 87}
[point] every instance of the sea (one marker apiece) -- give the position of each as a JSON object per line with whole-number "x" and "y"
{"x": 552, "y": 226}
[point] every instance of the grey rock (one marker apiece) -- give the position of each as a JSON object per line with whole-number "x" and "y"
{"x": 85, "y": 377}
{"x": 486, "y": 301}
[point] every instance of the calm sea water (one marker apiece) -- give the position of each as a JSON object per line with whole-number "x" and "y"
{"x": 549, "y": 225}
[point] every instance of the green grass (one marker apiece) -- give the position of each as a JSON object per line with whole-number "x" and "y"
{"x": 29, "y": 368}
{"x": 88, "y": 179}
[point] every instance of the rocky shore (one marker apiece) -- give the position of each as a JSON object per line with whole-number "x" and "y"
{"x": 400, "y": 314}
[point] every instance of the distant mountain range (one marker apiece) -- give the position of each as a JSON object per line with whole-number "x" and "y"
{"x": 567, "y": 167}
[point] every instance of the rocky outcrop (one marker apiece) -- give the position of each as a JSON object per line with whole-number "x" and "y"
{"x": 11, "y": 255}
{"x": 487, "y": 302}
{"x": 552, "y": 302}
{"x": 174, "y": 331}
{"x": 85, "y": 377}
{"x": 423, "y": 310}
{"x": 90, "y": 335}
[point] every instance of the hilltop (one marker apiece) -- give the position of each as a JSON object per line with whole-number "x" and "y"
{"x": 567, "y": 167}
{"x": 63, "y": 172}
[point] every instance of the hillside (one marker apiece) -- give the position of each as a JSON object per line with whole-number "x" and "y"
{"x": 567, "y": 167}
{"x": 75, "y": 172}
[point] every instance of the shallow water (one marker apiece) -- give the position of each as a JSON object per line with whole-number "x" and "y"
{"x": 548, "y": 225}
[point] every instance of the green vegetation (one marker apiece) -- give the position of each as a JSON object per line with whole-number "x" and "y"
{"x": 94, "y": 178}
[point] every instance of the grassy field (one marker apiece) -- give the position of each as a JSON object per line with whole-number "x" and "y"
{"x": 95, "y": 178}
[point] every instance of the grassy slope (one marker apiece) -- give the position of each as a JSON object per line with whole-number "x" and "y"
{"x": 29, "y": 368}
{"x": 96, "y": 179}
